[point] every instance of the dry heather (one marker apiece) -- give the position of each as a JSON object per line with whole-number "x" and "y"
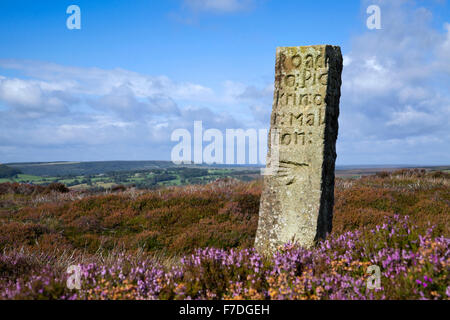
{"x": 143, "y": 234}
{"x": 222, "y": 214}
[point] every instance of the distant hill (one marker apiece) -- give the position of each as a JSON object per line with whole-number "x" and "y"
{"x": 66, "y": 168}
{"x": 8, "y": 172}
{"x": 86, "y": 168}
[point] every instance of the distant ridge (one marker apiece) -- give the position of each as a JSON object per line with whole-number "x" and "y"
{"x": 63, "y": 168}
{"x": 59, "y": 168}
{"x": 8, "y": 172}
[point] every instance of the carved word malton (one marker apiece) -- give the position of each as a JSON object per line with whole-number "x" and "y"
{"x": 297, "y": 199}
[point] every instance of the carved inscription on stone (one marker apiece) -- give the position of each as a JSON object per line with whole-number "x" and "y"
{"x": 297, "y": 200}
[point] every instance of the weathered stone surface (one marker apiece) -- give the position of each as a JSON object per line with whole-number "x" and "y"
{"x": 297, "y": 199}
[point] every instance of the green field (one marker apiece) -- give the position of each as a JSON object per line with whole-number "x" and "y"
{"x": 147, "y": 174}
{"x": 141, "y": 179}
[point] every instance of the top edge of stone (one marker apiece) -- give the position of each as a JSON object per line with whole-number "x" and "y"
{"x": 310, "y": 46}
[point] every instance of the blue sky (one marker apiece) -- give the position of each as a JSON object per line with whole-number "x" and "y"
{"x": 137, "y": 70}
{"x": 170, "y": 38}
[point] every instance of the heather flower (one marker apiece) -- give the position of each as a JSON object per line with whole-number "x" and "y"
{"x": 334, "y": 269}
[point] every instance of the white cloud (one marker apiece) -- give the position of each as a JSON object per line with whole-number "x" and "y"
{"x": 96, "y": 81}
{"x": 443, "y": 51}
{"x": 126, "y": 114}
{"x": 346, "y": 60}
{"x": 32, "y": 99}
{"x": 395, "y": 89}
{"x": 395, "y": 104}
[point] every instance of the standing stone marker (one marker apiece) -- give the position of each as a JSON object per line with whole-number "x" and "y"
{"x": 298, "y": 194}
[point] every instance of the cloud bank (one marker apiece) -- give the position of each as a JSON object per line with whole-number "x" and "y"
{"x": 59, "y": 112}
{"x": 395, "y": 104}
